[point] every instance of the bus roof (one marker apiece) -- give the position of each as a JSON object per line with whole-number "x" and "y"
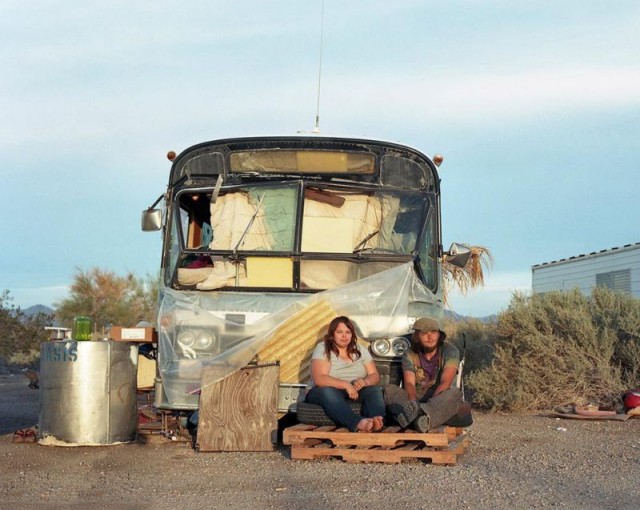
{"x": 405, "y": 166}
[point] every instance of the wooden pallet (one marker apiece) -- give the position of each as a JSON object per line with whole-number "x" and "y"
{"x": 442, "y": 445}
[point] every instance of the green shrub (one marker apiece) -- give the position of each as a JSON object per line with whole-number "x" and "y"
{"x": 561, "y": 348}
{"x": 476, "y": 338}
{"x": 21, "y": 335}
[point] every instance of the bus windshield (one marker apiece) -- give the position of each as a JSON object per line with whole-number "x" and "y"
{"x": 333, "y": 225}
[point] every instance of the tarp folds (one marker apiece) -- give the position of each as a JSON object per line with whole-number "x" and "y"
{"x": 224, "y": 331}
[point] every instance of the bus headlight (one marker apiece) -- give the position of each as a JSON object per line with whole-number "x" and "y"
{"x": 390, "y": 347}
{"x": 381, "y": 347}
{"x": 186, "y": 338}
{"x": 399, "y": 345}
{"x": 194, "y": 342}
{"x": 204, "y": 340}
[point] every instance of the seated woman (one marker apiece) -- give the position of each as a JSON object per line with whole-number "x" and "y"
{"x": 341, "y": 370}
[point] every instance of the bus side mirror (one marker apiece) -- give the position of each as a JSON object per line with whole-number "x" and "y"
{"x": 458, "y": 255}
{"x": 151, "y": 220}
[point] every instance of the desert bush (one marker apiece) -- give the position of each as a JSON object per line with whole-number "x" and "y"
{"x": 476, "y": 338}
{"x": 21, "y": 334}
{"x": 561, "y": 348}
{"x": 109, "y": 298}
{"x": 25, "y": 359}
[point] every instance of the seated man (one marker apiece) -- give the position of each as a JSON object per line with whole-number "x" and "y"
{"x": 429, "y": 369}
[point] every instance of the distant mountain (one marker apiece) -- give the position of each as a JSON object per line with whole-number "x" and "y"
{"x": 457, "y": 317}
{"x": 36, "y": 309}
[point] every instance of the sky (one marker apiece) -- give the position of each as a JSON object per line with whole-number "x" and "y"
{"x": 535, "y": 106}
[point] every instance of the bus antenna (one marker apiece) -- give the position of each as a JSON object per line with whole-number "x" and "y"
{"x": 316, "y": 128}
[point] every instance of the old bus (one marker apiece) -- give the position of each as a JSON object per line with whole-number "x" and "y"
{"x": 265, "y": 239}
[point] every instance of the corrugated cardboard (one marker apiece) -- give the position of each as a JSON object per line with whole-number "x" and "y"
{"x": 146, "y": 372}
{"x": 293, "y": 342}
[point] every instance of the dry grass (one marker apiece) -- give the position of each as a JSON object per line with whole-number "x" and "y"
{"x": 469, "y": 276}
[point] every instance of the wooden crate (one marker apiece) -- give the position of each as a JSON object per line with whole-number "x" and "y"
{"x": 442, "y": 445}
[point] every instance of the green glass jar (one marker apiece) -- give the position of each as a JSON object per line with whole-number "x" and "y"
{"x": 82, "y": 328}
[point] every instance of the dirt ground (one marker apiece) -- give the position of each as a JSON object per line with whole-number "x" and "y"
{"x": 515, "y": 461}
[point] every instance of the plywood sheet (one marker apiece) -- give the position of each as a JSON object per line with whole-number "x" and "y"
{"x": 239, "y": 413}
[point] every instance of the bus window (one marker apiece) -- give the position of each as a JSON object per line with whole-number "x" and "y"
{"x": 358, "y": 222}
{"x": 254, "y": 218}
{"x": 405, "y": 173}
{"x": 175, "y": 242}
{"x": 339, "y": 227}
{"x": 429, "y": 254}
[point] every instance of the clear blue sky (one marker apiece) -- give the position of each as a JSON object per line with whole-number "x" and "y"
{"x": 534, "y": 104}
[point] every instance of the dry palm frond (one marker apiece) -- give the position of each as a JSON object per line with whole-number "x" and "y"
{"x": 469, "y": 276}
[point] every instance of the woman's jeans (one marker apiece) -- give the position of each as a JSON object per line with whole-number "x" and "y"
{"x": 336, "y": 406}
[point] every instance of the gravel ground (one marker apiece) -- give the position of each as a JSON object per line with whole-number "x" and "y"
{"x": 515, "y": 461}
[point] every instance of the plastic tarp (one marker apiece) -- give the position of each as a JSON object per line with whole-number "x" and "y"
{"x": 241, "y": 323}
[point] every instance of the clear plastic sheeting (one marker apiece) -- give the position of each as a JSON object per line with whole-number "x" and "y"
{"x": 224, "y": 331}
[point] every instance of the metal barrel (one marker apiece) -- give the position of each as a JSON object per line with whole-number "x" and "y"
{"x": 88, "y": 392}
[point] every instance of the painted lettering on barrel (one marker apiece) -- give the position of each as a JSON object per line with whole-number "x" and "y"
{"x": 59, "y": 352}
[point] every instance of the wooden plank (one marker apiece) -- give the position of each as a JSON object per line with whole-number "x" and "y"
{"x": 453, "y": 432}
{"x": 239, "y": 413}
{"x": 309, "y": 443}
{"x": 366, "y": 438}
{"x": 302, "y": 453}
{"x": 614, "y": 417}
{"x": 385, "y": 456}
{"x": 411, "y": 445}
{"x": 301, "y": 426}
{"x": 459, "y": 445}
{"x": 389, "y": 430}
{"x": 441, "y": 457}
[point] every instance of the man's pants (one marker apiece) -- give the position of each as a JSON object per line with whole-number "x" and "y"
{"x": 439, "y": 408}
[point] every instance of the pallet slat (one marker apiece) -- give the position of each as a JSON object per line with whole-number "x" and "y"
{"x": 363, "y": 438}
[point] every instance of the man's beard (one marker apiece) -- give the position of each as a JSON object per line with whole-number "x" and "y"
{"x": 429, "y": 350}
